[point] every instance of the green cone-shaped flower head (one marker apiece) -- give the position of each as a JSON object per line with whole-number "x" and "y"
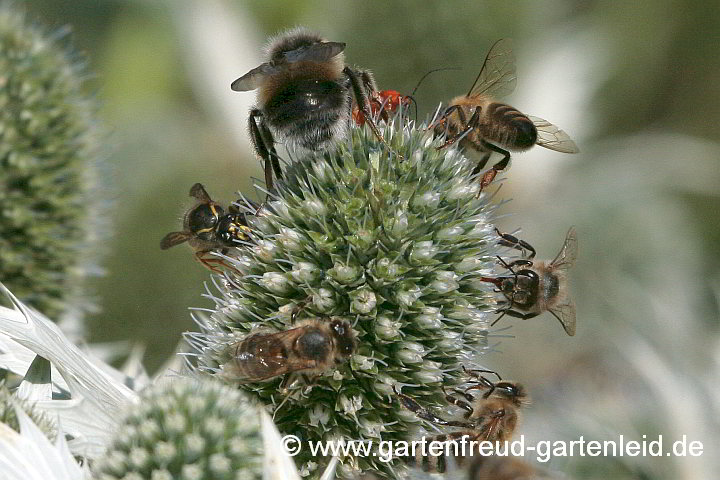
{"x": 186, "y": 429}
{"x": 47, "y": 160}
{"x": 392, "y": 241}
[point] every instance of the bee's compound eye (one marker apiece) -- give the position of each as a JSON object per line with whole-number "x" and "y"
{"x": 508, "y": 389}
{"x": 343, "y": 337}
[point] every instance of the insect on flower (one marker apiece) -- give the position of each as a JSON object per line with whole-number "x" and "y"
{"x": 207, "y": 228}
{"x": 537, "y": 286}
{"x": 305, "y": 97}
{"x": 313, "y": 347}
{"x": 491, "y": 417}
{"x": 484, "y": 125}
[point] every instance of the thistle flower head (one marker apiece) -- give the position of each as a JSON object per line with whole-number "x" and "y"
{"x": 47, "y": 154}
{"x": 394, "y": 241}
{"x": 186, "y": 429}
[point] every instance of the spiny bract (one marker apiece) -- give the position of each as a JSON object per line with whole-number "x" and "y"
{"x": 396, "y": 247}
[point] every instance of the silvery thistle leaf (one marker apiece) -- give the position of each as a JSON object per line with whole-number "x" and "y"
{"x": 96, "y": 398}
{"x": 29, "y": 455}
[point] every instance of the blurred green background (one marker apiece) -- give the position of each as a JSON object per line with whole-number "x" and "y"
{"x": 635, "y": 84}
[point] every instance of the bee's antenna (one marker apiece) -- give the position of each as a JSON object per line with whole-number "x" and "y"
{"x": 428, "y": 73}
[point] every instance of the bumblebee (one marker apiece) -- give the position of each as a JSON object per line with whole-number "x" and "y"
{"x": 305, "y": 97}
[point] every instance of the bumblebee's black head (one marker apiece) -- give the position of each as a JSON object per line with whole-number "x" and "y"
{"x": 291, "y": 40}
{"x": 344, "y": 338}
{"x": 203, "y": 219}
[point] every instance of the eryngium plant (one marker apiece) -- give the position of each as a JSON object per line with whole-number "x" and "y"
{"x": 394, "y": 246}
{"x": 47, "y": 155}
{"x": 9, "y": 402}
{"x": 186, "y": 429}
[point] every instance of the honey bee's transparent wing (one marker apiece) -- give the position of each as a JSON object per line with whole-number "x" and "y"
{"x": 497, "y": 76}
{"x": 568, "y": 253}
{"x": 274, "y": 361}
{"x": 199, "y": 192}
{"x": 254, "y": 78}
{"x": 552, "y": 137}
{"x": 566, "y": 315}
{"x": 317, "y": 52}
{"x": 489, "y": 428}
{"x": 174, "y": 238}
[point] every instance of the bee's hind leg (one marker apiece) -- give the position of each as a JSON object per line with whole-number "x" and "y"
{"x": 490, "y": 175}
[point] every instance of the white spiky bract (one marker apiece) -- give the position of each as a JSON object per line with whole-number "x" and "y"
{"x": 99, "y": 402}
{"x": 97, "y": 398}
{"x": 29, "y": 455}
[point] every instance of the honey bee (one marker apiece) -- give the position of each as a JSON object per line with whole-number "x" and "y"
{"x": 492, "y": 417}
{"x": 313, "y": 347}
{"x": 305, "y": 97}
{"x": 486, "y": 126}
{"x": 207, "y": 228}
{"x": 537, "y": 286}
{"x": 493, "y": 467}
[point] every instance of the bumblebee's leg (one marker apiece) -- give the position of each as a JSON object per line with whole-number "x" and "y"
{"x": 490, "y": 175}
{"x": 367, "y": 79}
{"x": 369, "y": 85}
{"x": 425, "y": 414}
{"x": 512, "y": 241}
{"x": 264, "y": 144}
{"x": 362, "y": 103}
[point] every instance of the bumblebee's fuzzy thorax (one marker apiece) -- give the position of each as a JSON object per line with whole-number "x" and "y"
{"x": 330, "y": 71}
